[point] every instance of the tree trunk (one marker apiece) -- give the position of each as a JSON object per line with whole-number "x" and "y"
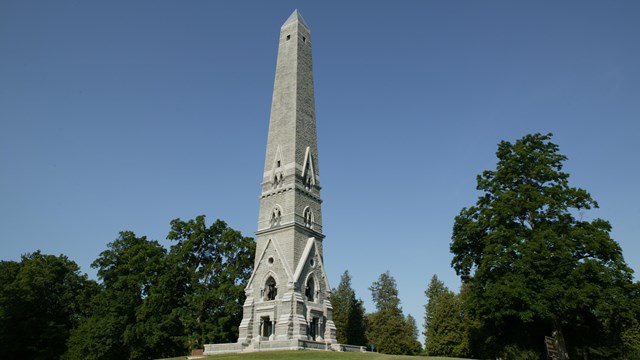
{"x": 559, "y": 336}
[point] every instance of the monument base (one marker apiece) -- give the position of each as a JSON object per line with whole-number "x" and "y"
{"x": 273, "y": 345}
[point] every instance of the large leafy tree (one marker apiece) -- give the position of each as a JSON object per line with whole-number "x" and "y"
{"x": 129, "y": 270}
{"x": 534, "y": 266}
{"x": 155, "y": 303}
{"x": 447, "y": 325}
{"x": 214, "y": 264}
{"x": 42, "y": 298}
{"x": 348, "y": 313}
{"x": 387, "y": 328}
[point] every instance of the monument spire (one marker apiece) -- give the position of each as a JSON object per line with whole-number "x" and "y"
{"x": 288, "y": 293}
{"x": 291, "y": 159}
{"x": 287, "y": 304}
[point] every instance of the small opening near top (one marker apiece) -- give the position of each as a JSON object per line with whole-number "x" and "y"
{"x": 304, "y": 39}
{"x": 288, "y": 37}
{"x": 278, "y": 165}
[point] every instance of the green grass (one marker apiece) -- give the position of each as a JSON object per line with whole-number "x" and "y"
{"x": 313, "y": 355}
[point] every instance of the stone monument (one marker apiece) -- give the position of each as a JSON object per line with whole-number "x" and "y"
{"x": 287, "y": 305}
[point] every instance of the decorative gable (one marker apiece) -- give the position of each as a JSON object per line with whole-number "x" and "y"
{"x": 311, "y": 263}
{"x": 308, "y": 170}
{"x": 270, "y": 264}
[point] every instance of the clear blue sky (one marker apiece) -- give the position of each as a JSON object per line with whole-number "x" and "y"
{"x": 123, "y": 115}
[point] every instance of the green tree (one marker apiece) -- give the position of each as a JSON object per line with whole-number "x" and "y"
{"x": 446, "y": 323}
{"x": 155, "y": 303}
{"x": 214, "y": 264}
{"x": 534, "y": 266}
{"x": 411, "y": 340}
{"x": 42, "y": 299}
{"x": 348, "y": 313}
{"x": 129, "y": 269}
{"x": 10, "y": 310}
{"x": 388, "y": 328}
{"x": 158, "y": 330}
{"x": 434, "y": 290}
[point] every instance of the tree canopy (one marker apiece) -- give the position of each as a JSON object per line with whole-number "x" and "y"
{"x": 348, "y": 313}
{"x": 387, "y": 328}
{"x": 214, "y": 264}
{"x": 129, "y": 270}
{"x": 158, "y": 303}
{"x": 447, "y": 325}
{"x": 535, "y": 266}
{"x": 42, "y": 298}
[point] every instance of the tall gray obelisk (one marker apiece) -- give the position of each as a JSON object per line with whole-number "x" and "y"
{"x": 288, "y": 292}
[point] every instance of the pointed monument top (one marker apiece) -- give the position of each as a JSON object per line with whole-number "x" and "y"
{"x": 296, "y": 16}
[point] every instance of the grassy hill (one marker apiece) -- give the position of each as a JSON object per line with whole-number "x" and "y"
{"x": 312, "y": 355}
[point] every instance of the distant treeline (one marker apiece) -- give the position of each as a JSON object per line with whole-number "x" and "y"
{"x": 150, "y": 302}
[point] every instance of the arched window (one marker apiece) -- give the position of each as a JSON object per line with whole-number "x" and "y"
{"x": 276, "y": 214}
{"x": 308, "y": 217}
{"x": 278, "y": 180}
{"x": 310, "y": 291}
{"x": 270, "y": 289}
